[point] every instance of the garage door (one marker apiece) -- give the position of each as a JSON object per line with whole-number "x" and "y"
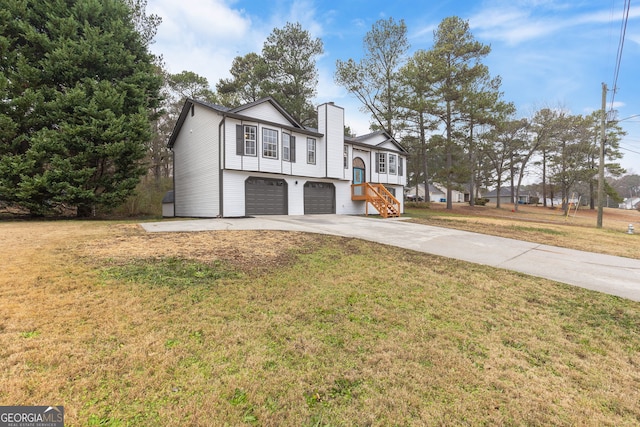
{"x": 319, "y": 198}
{"x": 265, "y": 196}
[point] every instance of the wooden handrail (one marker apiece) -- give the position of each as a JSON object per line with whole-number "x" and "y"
{"x": 378, "y": 195}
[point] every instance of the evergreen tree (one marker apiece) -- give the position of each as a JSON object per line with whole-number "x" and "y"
{"x": 248, "y": 75}
{"x": 454, "y": 65}
{"x": 78, "y": 85}
{"x": 286, "y": 70}
{"x": 290, "y": 56}
{"x": 374, "y": 80}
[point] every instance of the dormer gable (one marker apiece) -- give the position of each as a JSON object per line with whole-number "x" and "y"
{"x": 267, "y": 109}
{"x": 381, "y": 140}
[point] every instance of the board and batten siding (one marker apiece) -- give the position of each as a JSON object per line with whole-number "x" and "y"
{"x": 298, "y": 166}
{"x": 399, "y": 178}
{"x": 196, "y": 165}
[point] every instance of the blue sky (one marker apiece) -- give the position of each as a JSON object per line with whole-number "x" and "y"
{"x": 549, "y": 53}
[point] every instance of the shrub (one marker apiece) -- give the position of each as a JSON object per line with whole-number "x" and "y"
{"x": 147, "y": 199}
{"x": 419, "y": 205}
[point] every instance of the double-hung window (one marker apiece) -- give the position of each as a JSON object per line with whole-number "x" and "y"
{"x": 381, "y": 164}
{"x": 286, "y": 147}
{"x": 393, "y": 166}
{"x": 250, "y": 140}
{"x": 345, "y": 155}
{"x": 311, "y": 151}
{"x": 269, "y": 143}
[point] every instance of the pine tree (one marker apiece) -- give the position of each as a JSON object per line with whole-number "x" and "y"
{"x": 77, "y": 85}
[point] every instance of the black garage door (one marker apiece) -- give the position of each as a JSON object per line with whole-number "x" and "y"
{"x": 265, "y": 196}
{"x": 319, "y": 198}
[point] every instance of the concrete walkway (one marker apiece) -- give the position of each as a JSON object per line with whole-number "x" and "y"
{"x": 609, "y": 274}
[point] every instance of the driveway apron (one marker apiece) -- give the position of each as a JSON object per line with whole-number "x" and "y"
{"x": 604, "y": 273}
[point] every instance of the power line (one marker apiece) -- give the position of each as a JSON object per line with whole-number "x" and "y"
{"x": 623, "y": 32}
{"x": 629, "y": 150}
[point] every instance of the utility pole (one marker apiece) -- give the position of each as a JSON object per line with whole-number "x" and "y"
{"x": 601, "y": 166}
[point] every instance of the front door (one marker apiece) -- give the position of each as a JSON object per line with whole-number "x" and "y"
{"x": 358, "y": 176}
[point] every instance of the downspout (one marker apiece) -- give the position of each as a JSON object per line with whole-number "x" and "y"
{"x": 173, "y": 178}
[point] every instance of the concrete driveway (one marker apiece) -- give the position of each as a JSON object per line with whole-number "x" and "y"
{"x": 609, "y": 274}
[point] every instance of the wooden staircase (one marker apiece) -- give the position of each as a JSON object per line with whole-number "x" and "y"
{"x": 378, "y": 195}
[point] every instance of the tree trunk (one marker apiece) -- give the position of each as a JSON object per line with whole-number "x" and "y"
{"x": 425, "y": 166}
{"x": 85, "y": 211}
{"x": 544, "y": 177}
{"x": 472, "y": 152}
{"x": 449, "y": 158}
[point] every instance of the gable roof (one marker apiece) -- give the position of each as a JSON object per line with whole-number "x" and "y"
{"x": 275, "y": 104}
{"x": 237, "y": 114}
{"x": 366, "y": 140}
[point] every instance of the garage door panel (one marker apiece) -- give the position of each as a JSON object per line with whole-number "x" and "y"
{"x": 319, "y": 198}
{"x": 266, "y": 196}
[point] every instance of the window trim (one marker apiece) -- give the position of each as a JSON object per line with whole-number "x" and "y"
{"x": 381, "y": 163}
{"x": 273, "y": 146}
{"x": 247, "y": 140}
{"x": 345, "y": 156}
{"x": 286, "y": 145}
{"x": 311, "y": 151}
{"x": 393, "y": 170}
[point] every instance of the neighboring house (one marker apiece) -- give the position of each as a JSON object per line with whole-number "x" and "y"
{"x": 630, "y": 203}
{"x": 505, "y": 196}
{"x": 257, "y": 160}
{"x": 457, "y": 196}
{"x": 435, "y": 194}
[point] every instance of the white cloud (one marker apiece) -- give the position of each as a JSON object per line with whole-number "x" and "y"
{"x": 202, "y": 36}
{"x": 516, "y": 23}
{"x": 511, "y": 26}
{"x": 209, "y": 19}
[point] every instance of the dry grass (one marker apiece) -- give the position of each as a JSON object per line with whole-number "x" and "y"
{"x": 543, "y": 225}
{"x": 275, "y": 328}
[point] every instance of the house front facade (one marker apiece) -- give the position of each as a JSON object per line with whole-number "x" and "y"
{"x": 257, "y": 160}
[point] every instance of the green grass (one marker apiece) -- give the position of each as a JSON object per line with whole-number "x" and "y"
{"x": 170, "y": 272}
{"x": 539, "y": 230}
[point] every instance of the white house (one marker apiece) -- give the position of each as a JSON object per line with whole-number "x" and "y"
{"x": 417, "y": 192}
{"x": 437, "y": 193}
{"x": 257, "y": 160}
{"x": 505, "y": 196}
{"x": 630, "y": 203}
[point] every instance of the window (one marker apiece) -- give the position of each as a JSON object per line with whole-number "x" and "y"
{"x": 270, "y": 143}
{"x": 345, "y": 155}
{"x": 393, "y": 169}
{"x": 381, "y": 163}
{"x": 400, "y": 166}
{"x": 250, "y": 138}
{"x": 311, "y": 151}
{"x": 286, "y": 147}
